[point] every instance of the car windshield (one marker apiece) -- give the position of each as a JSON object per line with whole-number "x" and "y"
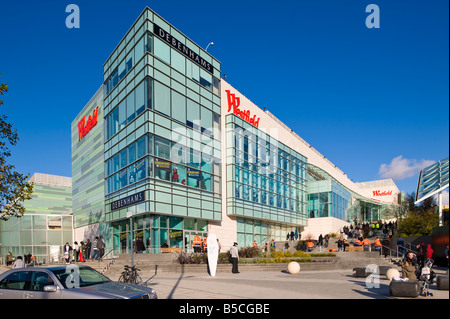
{"x": 75, "y": 277}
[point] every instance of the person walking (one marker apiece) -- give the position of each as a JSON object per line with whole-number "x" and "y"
{"x": 101, "y": 247}
{"x": 87, "y": 255}
{"x": 430, "y": 251}
{"x": 234, "y": 258}
{"x": 219, "y": 245}
{"x": 96, "y": 253}
{"x": 76, "y": 251}
{"x": 340, "y": 244}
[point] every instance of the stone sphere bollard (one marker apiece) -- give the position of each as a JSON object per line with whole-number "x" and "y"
{"x": 392, "y": 273}
{"x": 294, "y": 267}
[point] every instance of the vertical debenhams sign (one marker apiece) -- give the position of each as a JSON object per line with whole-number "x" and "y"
{"x": 128, "y": 201}
{"x": 162, "y": 34}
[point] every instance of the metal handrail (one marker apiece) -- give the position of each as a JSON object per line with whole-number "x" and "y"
{"x": 106, "y": 255}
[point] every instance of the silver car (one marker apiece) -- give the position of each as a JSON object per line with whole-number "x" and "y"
{"x": 67, "y": 282}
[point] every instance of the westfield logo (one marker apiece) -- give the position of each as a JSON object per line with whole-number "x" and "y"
{"x": 234, "y": 103}
{"x": 85, "y": 127}
{"x": 380, "y": 193}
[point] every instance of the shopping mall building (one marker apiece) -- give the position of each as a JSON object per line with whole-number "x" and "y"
{"x": 167, "y": 144}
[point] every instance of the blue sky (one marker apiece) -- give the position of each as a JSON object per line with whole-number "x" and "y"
{"x": 373, "y": 101}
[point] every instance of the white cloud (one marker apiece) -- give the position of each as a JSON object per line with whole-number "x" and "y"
{"x": 402, "y": 168}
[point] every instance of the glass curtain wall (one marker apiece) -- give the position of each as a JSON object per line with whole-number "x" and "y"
{"x": 157, "y": 231}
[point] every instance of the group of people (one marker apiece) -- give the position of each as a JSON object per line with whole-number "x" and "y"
{"x": 200, "y": 245}
{"x": 412, "y": 263}
{"x": 293, "y": 235}
{"x": 82, "y": 251}
{"x": 357, "y": 229}
{"x": 19, "y": 261}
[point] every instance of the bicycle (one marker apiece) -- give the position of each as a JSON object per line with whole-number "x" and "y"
{"x": 130, "y": 275}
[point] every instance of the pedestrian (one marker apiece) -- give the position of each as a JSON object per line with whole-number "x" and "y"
{"x": 96, "y": 253}
{"x": 430, "y": 251}
{"x": 340, "y": 244}
{"x": 19, "y": 263}
{"x": 88, "y": 249}
{"x": 234, "y": 258}
{"x": 101, "y": 247}
{"x": 139, "y": 247}
{"x": 327, "y": 239}
{"x": 9, "y": 259}
{"x": 197, "y": 243}
{"x": 76, "y": 251}
{"x": 421, "y": 254}
{"x": 219, "y": 245}
{"x": 296, "y": 235}
{"x": 82, "y": 251}
{"x": 67, "y": 250}
{"x": 272, "y": 246}
{"x": 255, "y": 245}
{"x": 205, "y": 244}
{"x": 292, "y": 235}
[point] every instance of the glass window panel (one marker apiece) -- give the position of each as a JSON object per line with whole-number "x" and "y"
{"x": 132, "y": 174}
{"x": 123, "y": 178}
{"x": 123, "y": 158}
{"x": 131, "y": 153}
{"x": 194, "y": 158}
{"x": 179, "y": 174}
{"x": 193, "y": 71}
{"x": 150, "y": 144}
{"x": 162, "y": 98}
{"x": 149, "y": 43}
{"x": 122, "y": 114}
{"x": 130, "y": 107}
{"x": 178, "y": 107}
{"x": 193, "y": 177}
{"x": 193, "y": 115}
{"x": 149, "y": 92}
{"x": 205, "y": 79}
{"x": 206, "y": 164}
{"x": 163, "y": 169}
{"x": 207, "y": 118}
{"x": 140, "y": 49}
{"x": 141, "y": 146}
{"x": 141, "y": 169}
{"x": 162, "y": 147}
{"x": 140, "y": 98}
{"x": 115, "y": 121}
{"x": 122, "y": 70}
{"x": 161, "y": 50}
{"x": 115, "y": 182}
{"x": 178, "y": 62}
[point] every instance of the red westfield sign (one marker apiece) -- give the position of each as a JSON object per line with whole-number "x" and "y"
{"x": 380, "y": 193}
{"x": 85, "y": 127}
{"x": 234, "y": 103}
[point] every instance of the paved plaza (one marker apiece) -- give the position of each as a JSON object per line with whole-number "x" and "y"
{"x": 335, "y": 284}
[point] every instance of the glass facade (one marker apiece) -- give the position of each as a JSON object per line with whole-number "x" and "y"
{"x": 46, "y": 225}
{"x": 266, "y": 179}
{"x": 88, "y": 193}
{"x": 328, "y": 199}
{"x": 162, "y": 119}
{"x": 249, "y": 230}
{"x": 158, "y": 230}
